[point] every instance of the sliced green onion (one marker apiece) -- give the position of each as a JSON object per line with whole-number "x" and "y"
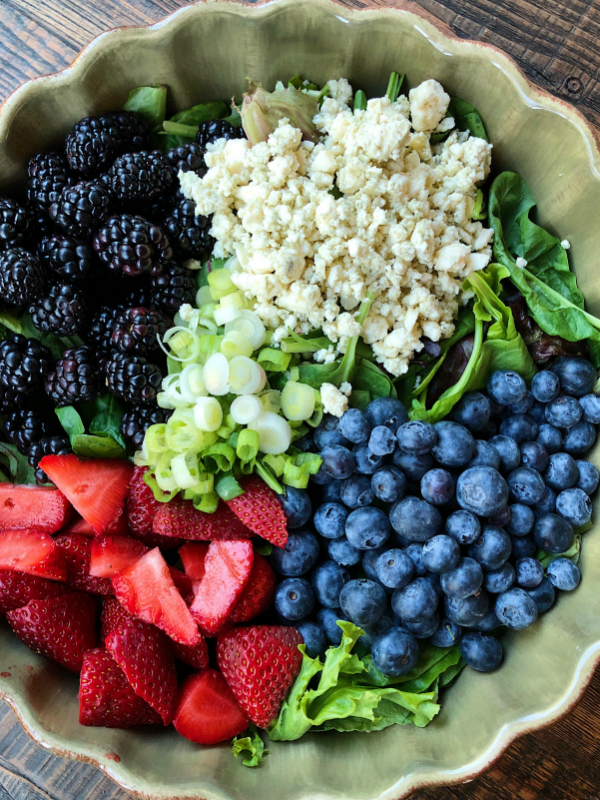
{"x": 220, "y": 283}
{"x": 249, "y": 325}
{"x": 208, "y": 414}
{"x": 217, "y": 375}
{"x": 245, "y": 408}
{"x": 297, "y": 401}
{"x": 208, "y": 344}
{"x": 166, "y": 481}
{"x": 227, "y": 487}
{"x": 275, "y": 463}
{"x": 274, "y": 432}
{"x": 155, "y": 439}
{"x": 317, "y": 416}
{"x": 394, "y": 85}
{"x": 235, "y": 344}
{"x": 295, "y": 476}
{"x": 207, "y": 502}
{"x": 236, "y": 299}
{"x": 271, "y": 401}
{"x": 182, "y": 343}
{"x": 248, "y": 467}
{"x": 225, "y": 314}
{"x": 185, "y": 470}
{"x": 265, "y": 473}
{"x": 247, "y": 446}
{"x": 209, "y": 324}
{"x": 274, "y": 360}
{"x": 162, "y": 497}
{"x": 204, "y": 486}
{"x": 232, "y": 264}
{"x": 308, "y": 461}
{"x": 191, "y": 383}
{"x": 182, "y": 434}
{"x": 360, "y": 101}
{"x": 220, "y": 457}
{"x": 173, "y": 367}
{"x": 203, "y": 297}
{"x": 245, "y": 375}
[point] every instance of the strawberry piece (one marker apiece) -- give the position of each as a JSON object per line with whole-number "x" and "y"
{"x": 39, "y": 507}
{"x": 112, "y": 615}
{"x": 81, "y": 526}
{"x": 260, "y": 511}
{"x": 76, "y": 549}
{"x": 61, "y": 628}
{"x": 33, "y": 552}
{"x": 110, "y": 554}
{"x": 273, "y": 650}
{"x": 207, "y": 711}
{"x": 144, "y": 654}
{"x": 257, "y": 594}
{"x": 18, "y": 588}
{"x": 106, "y": 700}
{"x": 180, "y": 518}
{"x": 196, "y": 656}
{"x": 227, "y": 569}
{"x": 146, "y": 589}
{"x": 193, "y": 556}
{"x": 96, "y": 488}
{"x": 140, "y": 510}
{"x": 183, "y": 583}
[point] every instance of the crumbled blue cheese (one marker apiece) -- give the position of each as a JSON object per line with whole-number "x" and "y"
{"x": 335, "y": 401}
{"x": 565, "y": 244}
{"x": 521, "y": 262}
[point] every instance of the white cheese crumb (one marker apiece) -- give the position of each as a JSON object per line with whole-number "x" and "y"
{"x": 334, "y": 401}
{"x": 565, "y": 244}
{"x": 186, "y": 312}
{"x": 521, "y": 262}
{"x": 428, "y": 105}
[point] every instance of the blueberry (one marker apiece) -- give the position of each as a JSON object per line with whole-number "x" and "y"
{"x": 364, "y": 601}
{"x": 522, "y": 520}
{"x": 562, "y": 472}
{"x": 369, "y": 562}
{"x": 526, "y": 486}
{"x": 564, "y": 574}
{"x": 415, "y": 553}
{"x": 415, "y": 520}
{"x": 435, "y": 581}
{"x": 550, "y": 437}
{"x": 485, "y": 455}
{"x": 343, "y": 553}
{"x": 386, "y": 411}
{"x": 589, "y": 477}
{"x": 464, "y": 580}
{"x": 523, "y": 546}
{"x": 327, "y": 580}
{"x": 394, "y": 568}
{"x": 534, "y": 456}
{"x": 489, "y": 623}
{"x": 545, "y": 386}
{"x": 388, "y": 484}
{"x": 501, "y": 518}
{"x": 523, "y": 406}
{"x": 338, "y": 461}
{"x": 575, "y": 506}
{"x": 328, "y": 433}
{"x": 463, "y": 526}
{"x": 368, "y": 528}
{"x": 448, "y": 634}
{"x": 395, "y": 652}
{"x": 553, "y": 534}
{"x": 294, "y": 598}
{"x": 356, "y": 491}
{"x": 371, "y": 632}
{"x": 499, "y": 580}
{"x": 437, "y": 486}
{"x": 577, "y": 376}
{"x": 366, "y": 462}
{"x": 516, "y": 609}
{"x": 547, "y": 505}
{"x": 328, "y": 619}
{"x": 508, "y": 452}
{"x": 506, "y": 387}
{"x": 543, "y": 595}
{"x": 481, "y": 651}
{"x": 455, "y": 445}
{"x": 473, "y": 411}
{"x": 382, "y": 441}
{"x": 590, "y": 404}
{"x": 299, "y": 555}
{"x": 424, "y": 629}
{"x": 469, "y": 611}
{"x": 529, "y": 573}
{"x": 492, "y": 548}
{"x": 354, "y": 426}
{"x": 413, "y": 466}
{"x": 481, "y": 490}
{"x": 296, "y": 506}
{"x": 538, "y": 413}
{"x": 314, "y": 638}
{"x": 330, "y": 492}
{"x": 563, "y": 412}
{"x": 416, "y": 437}
{"x": 415, "y": 602}
{"x": 579, "y": 439}
{"x": 441, "y": 554}
{"x": 521, "y": 428}
{"x": 330, "y": 520}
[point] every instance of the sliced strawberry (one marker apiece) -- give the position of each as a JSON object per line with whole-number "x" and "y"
{"x": 227, "y": 569}
{"x": 111, "y": 616}
{"x": 207, "y": 711}
{"x": 76, "y": 549}
{"x": 273, "y": 650}
{"x": 196, "y": 656}
{"x": 144, "y": 654}
{"x": 257, "y": 594}
{"x": 146, "y": 589}
{"x": 33, "y": 552}
{"x": 39, "y": 507}
{"x": 110, "y": 554}
{"x": 180, "y": 518}
{"x": 140, "y": 510}
{"x": 96, "y": 488}
{"x": 193, "y": 556}
{"x": 106, "y": 700}
{"x": 260, "y": 510}
{"x": 82, "y": 526}
{"x": 61, "y": 628}
{"x": 18, "y": 588}
{"x": 183, "y": 583}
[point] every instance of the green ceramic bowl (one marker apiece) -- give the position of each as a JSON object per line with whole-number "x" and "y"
{"x": 206, "y": 51}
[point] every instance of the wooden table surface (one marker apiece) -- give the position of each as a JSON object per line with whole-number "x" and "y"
{"x": 557, "y": 44}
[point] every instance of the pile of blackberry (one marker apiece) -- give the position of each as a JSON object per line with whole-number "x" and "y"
{"x": 97, "y": 256}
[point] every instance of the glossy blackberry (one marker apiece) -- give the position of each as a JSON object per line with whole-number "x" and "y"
{"x": 47, "y": 446}
{"x": 9, "y": 401}
{"x": 81, "y": 208}
{"x": 172, "y": 287}
{"x": 189, "y": 234}
{"x": 41, "y": 223}
{"x": 132, "y": 245}
{"x": 21, "y": 276}
{"x": 91, "y": 145}
{"x": 23, "y": 363}
{"x": 15, "y": 224}
{"x": 132, "y": 131}
{"x": 68, "y": 258}
{"x": 215, "y": 129}
{"x": 62, "y": 311}
{"x": 25, "y": 427}
{"x": 133, "y": 378}
{"x": 75, "y": 377}
{"x": 139, "y": 295}
{"x": 188, "y": 158}
{"x": 141, "y": 176}
{"x": 100, "y": 332}
{"x": 137, "y": 331}
{"x": 48, "y": 174}
{"x": 136, "y": 421}
{"x": 162, "y": 207}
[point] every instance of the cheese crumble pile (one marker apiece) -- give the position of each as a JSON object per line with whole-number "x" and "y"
{"x": 402, "y": 228}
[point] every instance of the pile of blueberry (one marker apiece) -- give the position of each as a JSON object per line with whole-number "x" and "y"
{"x": 431, "y": 532}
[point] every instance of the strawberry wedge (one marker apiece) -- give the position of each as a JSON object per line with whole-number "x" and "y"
{"x": 179, "y": 518}
{"x": 47, "y": 510}
{"x": 193, "y": 558}
{"x": 80, "y": 525}
{"x": 227, "y": 569}
{"x": 76, "y": 548}
{"x": 259, "y": 510}
{"x": 111, "y": 554}
{"x": 140, "y": 510}
{"x": 207, "y": 712}
{"x": 146, "y": 589}
{"x": 96, "y": 488}
{"x": 18, "y": 588}
{"x": 32, "y": 552}
{"x": 257, "y": 594}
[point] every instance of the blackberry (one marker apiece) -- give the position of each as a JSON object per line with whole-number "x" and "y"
{"x": 62, "y": 312}
{"x": 41, "y": 223}
{"x": 56, "y": 445}
{"x": 25, "y": 427}
{"x": 15, "y": 224}
{"x": 132, "y": 245}
{"x": 9, "y": 400}
{"x": 137, "y": 331}
{"x": 133, "y": 132}
{"x": 48, "y": 174}
{"x": 188, "y": 233}
{"x": 102, "y": 327}
{"x": 136, "y": 421}
{"x": 92, "y": 144}
{"x": 161, "y": 207}
{"x": 66, "y": 257}
{"x": 81, "y": 208}
{"x": 21, "y": 276}
{"x": 188, "y": 158}
{"x": 23, "y": 363}
{"x": 75, "y": 377}
{"x": 214, "y": 129}
{"x": 140, "y": 176}
{"x": 133, "y": 378}
{"x": 139, "y": 295}
{"x": 173, "y": 286}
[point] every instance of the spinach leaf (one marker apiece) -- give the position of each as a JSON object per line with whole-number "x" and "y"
{"x": 104, "y": 439}
{"x": 96, "y": 446}
{"x": 107, "y": 420}
{"x": 150, "y": 102}
{"x": 183, "y": 126}
{"x": 71, "y": 421}
{"x": 15, "y": 465}
{"x": 467, "y": 118}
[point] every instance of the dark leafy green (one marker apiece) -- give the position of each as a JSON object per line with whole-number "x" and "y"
{"x": 103, "y": 439}
{"x": 572, "y": 553}
{"x": 107, "y": 420}
{"x": 150, "y": 102}
{"x": 394, "y": 85}
{"x": 14, "y": 465}
{"x": 250, "y": 743}
{"x": 191, "y": 119}
{"x": 466, "y": 118}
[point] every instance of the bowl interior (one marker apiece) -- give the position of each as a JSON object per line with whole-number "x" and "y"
{"x": 206, "y": 52}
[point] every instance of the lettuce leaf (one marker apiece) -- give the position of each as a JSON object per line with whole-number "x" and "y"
{"x": 252, "y": 744}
